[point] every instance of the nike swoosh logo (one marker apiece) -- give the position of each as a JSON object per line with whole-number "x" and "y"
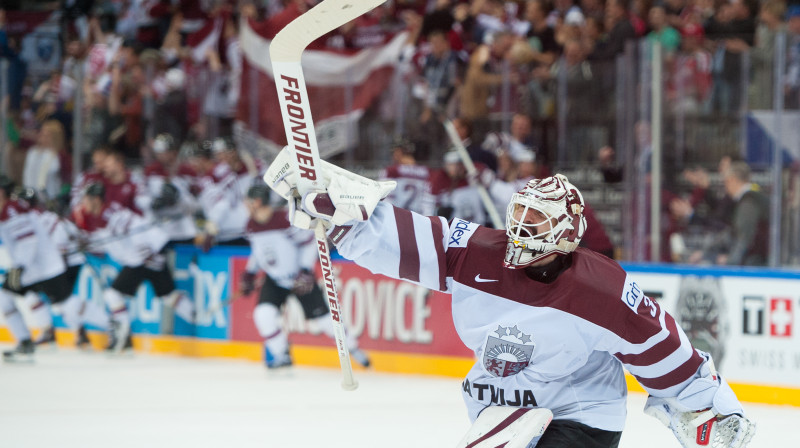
{"x": 484, "y": 280}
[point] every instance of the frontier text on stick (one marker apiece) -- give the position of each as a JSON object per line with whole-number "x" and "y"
{"x": 299, "y": 128}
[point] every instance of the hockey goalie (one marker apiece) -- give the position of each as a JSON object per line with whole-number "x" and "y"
{"x": 552, "y": 325}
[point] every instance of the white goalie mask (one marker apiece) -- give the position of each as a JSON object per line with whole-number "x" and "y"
{"x": 543, "y": 218}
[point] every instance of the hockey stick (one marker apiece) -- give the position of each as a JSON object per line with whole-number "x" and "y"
{"x": 285, "y": 52}
{"x": 472, "y": 172}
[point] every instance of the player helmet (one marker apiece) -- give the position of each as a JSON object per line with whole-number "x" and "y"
{"x": 6, "y": 184}
{"x": 96, "y": 189}
{"x": 168, "y": 197}
{"x": 28, "y": 195}
{"x": 259, "y": 192}
{"x": 559, "y": 204}
{"x": 163, "y": 143}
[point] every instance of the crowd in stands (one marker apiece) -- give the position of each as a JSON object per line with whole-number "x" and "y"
{"x": 158, "y": 94}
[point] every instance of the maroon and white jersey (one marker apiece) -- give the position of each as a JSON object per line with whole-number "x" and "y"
{"x": 413, "y": 190}
{"x": 560, "y": 345}
{"x": 62, "y": 234}
{"x": 123, "y": 194}
{"x": 176, "y": 220}
{"x": 222, "y": 199}
{"x": 280, "y": 249}
{"x": 126, "y": 236}
{"x": 460, "y": 195}
{"x": 28, "y": 244}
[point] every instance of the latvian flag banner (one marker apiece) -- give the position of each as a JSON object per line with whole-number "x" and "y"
{"x": 341, "y": 86}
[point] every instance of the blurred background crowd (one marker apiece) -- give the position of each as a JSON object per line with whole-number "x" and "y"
{"x": 696, "y": 99}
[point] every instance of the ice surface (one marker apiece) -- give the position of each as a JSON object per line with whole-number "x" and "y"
{"x": 86, "y": 400}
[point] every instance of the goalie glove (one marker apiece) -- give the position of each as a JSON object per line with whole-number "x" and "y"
{"x": 702, "y": 428}
{"x": 348, "y": 197}
{"x": 723, "y": 425}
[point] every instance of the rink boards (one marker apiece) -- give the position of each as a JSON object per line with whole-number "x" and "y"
{"x": 745, "y": 317}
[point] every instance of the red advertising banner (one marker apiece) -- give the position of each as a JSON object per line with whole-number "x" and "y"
{"x": 385, "y": 314}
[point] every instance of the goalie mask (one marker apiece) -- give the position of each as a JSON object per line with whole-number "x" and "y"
{"x": 543, "y": 218}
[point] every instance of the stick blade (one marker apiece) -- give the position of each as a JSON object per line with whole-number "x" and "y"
{"x": 289, "y": 43}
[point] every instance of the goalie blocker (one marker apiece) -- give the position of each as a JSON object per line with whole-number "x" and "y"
{"x": 349, "y": 197}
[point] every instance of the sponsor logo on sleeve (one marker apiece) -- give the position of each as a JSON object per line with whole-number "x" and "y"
{"x": 460, "y": 233}
{"x": 632, "y": 295}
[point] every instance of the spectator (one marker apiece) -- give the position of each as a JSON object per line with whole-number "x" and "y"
{"x": 619, "y": 29}
{"x": 561, "y": 8}
{"x": 484, "y": 73}
{"x": 792, "y": 88}
{"x": 171, "y": 107}
{"x": 476, "y": 152}
{"x": 541, "y": 36}
{"x": 441, "y": 73}
{"x": 219, "y": 104}
{"x": 101, "y": 121}
{"x": 762, "y": 54}
{"x": 750, "y": 223}
{"x": 733, "y": 30}
{"x": 689, "y": 85}
{"x": 126, "y": 97}
{"x": 17, "y": 68}
{"x": 662, "y": 32}
{"x": 44, "y": 162}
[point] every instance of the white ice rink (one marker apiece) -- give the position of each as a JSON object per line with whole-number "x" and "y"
{"x": 84, "y": 400}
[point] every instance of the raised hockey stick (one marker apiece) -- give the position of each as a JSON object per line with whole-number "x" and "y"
{"x": 285, "y": 52}
{"x": 488, "y": 204}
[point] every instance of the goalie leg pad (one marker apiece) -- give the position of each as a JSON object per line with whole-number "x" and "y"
{"x": 508, "y": 427}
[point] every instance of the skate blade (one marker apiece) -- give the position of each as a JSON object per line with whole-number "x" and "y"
{"x": 122, "y": 354}
{"x": 19, "y": 359}
{"x": 47, "y": 347}
{"x": 280, "y": 373}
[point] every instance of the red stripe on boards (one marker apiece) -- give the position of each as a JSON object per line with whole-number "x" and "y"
{"x": 409, "y": 252}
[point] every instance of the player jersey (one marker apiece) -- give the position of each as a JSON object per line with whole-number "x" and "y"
{"x": 123, "y": 194}
{"x": 560, "y": 345}
{"x": 458, "y": 195}
{"x": 280, "y": 249}
{"x": 63, "y": 233}
{"x": 222, "y": 200}
{"x": 28, "y": 244}
{"x": 177, "y": 221}
{"x": 413, "y": 190}
{"x": 126, "y": 236}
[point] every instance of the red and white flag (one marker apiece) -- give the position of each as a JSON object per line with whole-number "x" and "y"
{"x": 341, "y": 85}
{"x": 205, "y": 38}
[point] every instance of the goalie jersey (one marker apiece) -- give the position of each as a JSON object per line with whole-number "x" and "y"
{"x": 560, "y": 345}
